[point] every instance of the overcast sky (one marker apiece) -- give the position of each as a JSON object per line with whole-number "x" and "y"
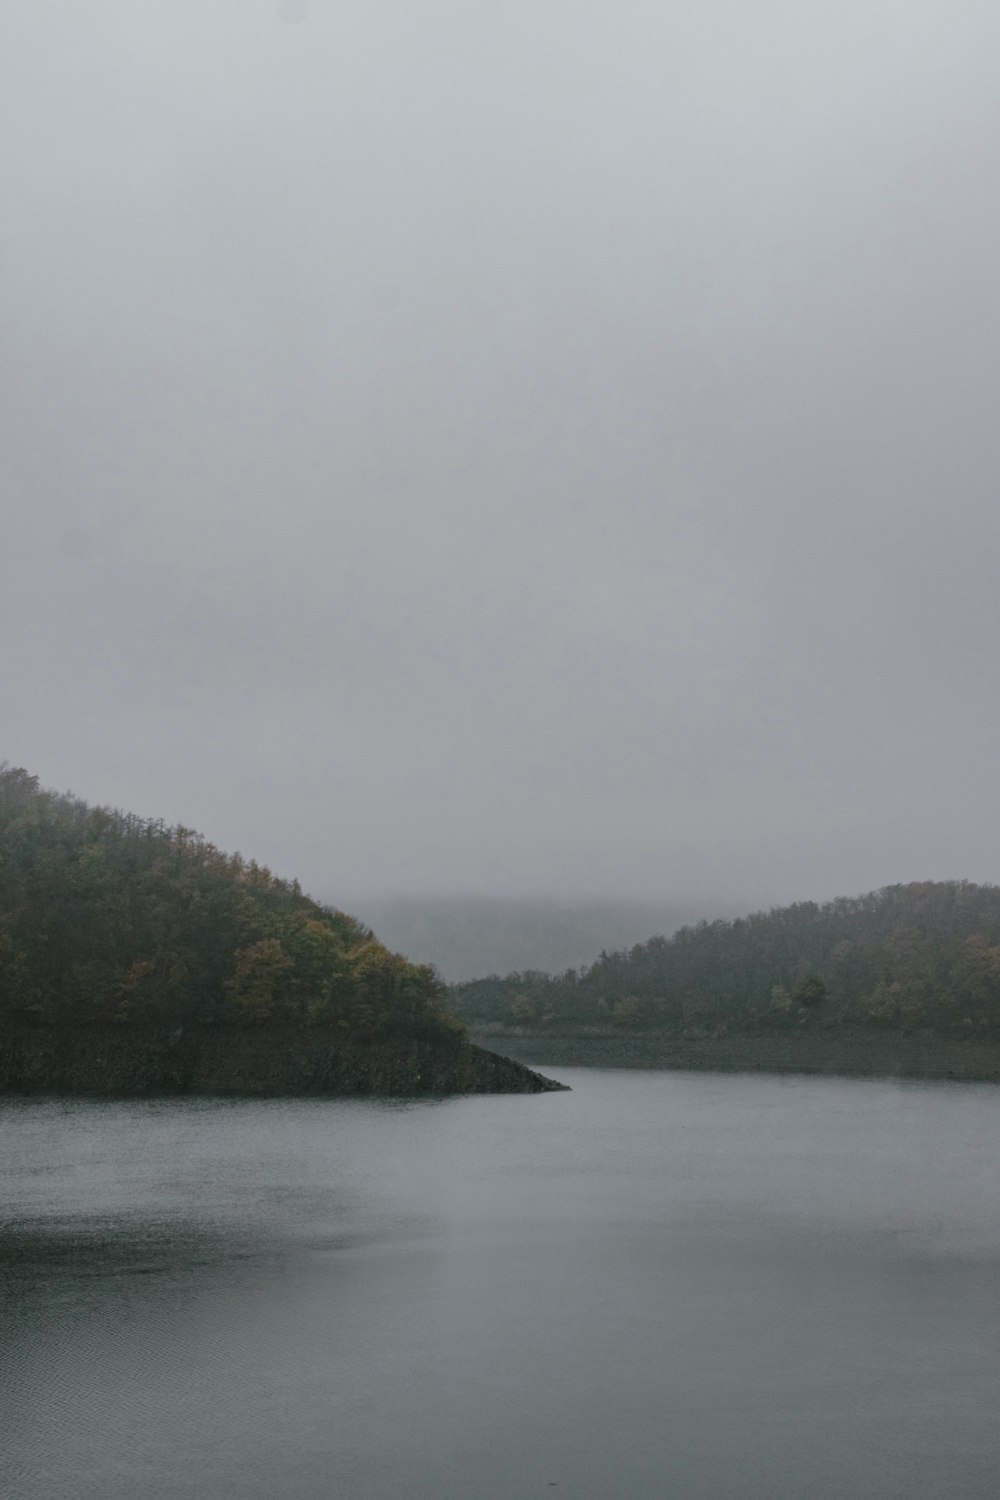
{"x": 544, "y": 448}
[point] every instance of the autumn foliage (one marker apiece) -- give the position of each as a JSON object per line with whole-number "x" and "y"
{"x": 110, "y": 918}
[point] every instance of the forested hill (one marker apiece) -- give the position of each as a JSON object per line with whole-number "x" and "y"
{"x": 910, "y": 957}
{"x": 106, "y": 918}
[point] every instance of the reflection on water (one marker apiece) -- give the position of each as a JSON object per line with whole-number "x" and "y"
{"x": 36, "y": 1251}
{"x": 660, "y": 1284}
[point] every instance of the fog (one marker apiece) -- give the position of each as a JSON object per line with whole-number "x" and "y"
{"x": 541, "y": 449}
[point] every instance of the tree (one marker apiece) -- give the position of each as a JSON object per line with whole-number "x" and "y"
{"x": 253, "y": 987}
{"x": 810, "y": 991}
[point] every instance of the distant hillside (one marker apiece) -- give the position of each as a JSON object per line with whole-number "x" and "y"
{"x": 113, "y": 925}
{"x": 921, "y": 957}
{"x": 493, "y": 935}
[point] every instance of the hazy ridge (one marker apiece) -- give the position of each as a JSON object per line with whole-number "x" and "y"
{"x": 473, "y": 935}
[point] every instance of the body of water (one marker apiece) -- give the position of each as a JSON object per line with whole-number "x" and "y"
{"x": 729, "y": 1287}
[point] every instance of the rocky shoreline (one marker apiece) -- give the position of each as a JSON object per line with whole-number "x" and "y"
{"x": 859, "y": 1054}
{"x": 125, "y": 1061}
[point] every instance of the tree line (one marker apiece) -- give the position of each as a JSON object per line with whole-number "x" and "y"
{"x": 923, "y": 956}
{"x": 106, "y": 917}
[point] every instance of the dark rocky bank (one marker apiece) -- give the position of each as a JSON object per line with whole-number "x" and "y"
{"x": 260, "y": 1062}
{"x": 856, "y": 1054}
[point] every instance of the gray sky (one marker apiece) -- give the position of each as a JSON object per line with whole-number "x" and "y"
{"x": 533, "y": 447}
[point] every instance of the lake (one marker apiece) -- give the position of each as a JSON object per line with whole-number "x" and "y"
{"x": 662, "y": 1284}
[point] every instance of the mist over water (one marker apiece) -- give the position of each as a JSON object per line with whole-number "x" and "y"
{"x": 694, "y": 1285}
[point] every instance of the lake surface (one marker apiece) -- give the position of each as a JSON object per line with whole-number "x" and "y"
{"x": 660, "y": 1285}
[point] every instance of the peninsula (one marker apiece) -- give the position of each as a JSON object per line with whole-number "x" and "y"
{"x": 136, "y": 958}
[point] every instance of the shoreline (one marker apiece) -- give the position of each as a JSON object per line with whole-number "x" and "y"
{"x": 853, "y": 1055}
{"x": 129, "y": 1062}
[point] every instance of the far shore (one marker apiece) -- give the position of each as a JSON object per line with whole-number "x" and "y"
{"x": 856, "y": 1054}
